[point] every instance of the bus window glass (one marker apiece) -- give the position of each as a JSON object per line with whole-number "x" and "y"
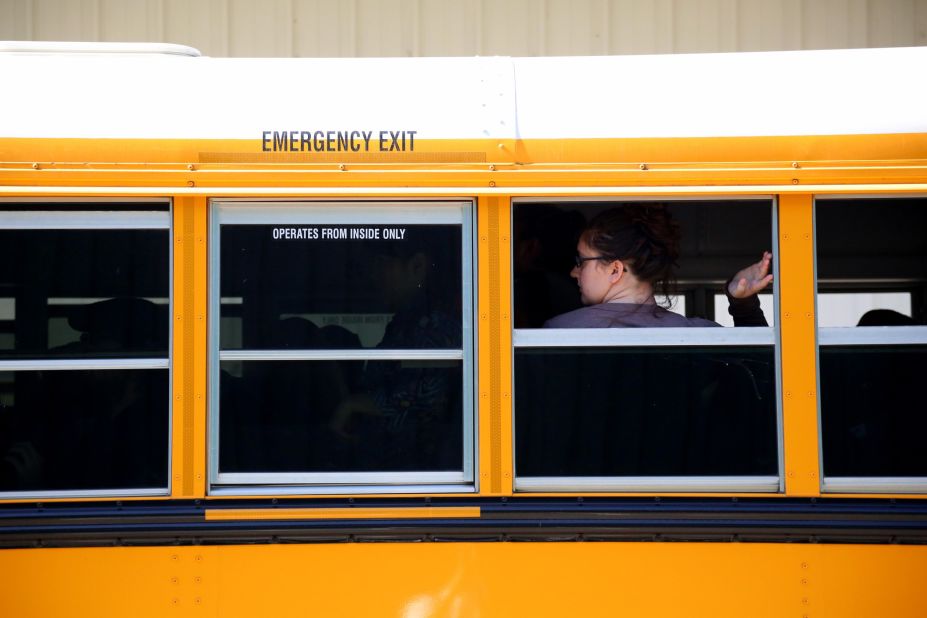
{"x": 343, "y": 345}
{"x": 84, "y": 349}
{"x": 864, "y": 308}
{"x": 871, "y": 261}
{"x": 84, "y": 293}
{"x": 7, "y": 323}
{"x": 723, "y": 317}
{"x": 645, "y": 412}
{"x": 715, "y": 241}
{"x": 350, "y": 416}
{"x": 872, "y": 411}
{"x": 872, "y": 287}
{"x": 616, "y": 384}
{"x": 356, "y": 283}
{"x": 83, "y": 430}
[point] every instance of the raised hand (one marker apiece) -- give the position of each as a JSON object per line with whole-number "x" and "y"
{"x": 751, "y": 279}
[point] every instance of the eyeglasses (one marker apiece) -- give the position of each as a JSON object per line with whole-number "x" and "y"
{"x": 580, "y": 259}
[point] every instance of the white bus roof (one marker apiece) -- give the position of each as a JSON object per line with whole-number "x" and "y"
{"x": 62, "y": 94}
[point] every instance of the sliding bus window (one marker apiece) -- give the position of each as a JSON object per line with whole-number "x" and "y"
{"x": 623, "y": 395}
{"x": 343, "y": 352}
{"x": 871, "y": 309}
{"x": 84, "y": 349}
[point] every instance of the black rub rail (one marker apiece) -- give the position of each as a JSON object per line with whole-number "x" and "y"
{"x": 506, "y": 519}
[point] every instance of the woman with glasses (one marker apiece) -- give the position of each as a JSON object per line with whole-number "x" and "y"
{"x": 625, "y": 255}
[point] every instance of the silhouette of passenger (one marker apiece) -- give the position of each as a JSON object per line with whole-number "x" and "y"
{"x": 406, "y": 415}
{"x": 885, "y": 317}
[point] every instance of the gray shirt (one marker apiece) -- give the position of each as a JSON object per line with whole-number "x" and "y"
{"x": 624, "y": 315}
{"x": 745, "y": 311}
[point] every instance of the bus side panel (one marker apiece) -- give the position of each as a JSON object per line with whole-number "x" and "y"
{"x": 467, "y": 579}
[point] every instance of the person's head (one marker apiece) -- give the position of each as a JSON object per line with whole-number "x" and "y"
{"x": 414, "y": 268}
{"x": 632, "y": 248}
{"x": 401, "y": 277}
{"x": 121, "y": 323}
{"x": 885, "y": 317}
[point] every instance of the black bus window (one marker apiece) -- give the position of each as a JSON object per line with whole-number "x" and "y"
{"x": 723, "y": 317}
{"x": 871, "y": 261}
{"x": 344, "y": 345}
{"x": 79, "y": 430}
{"x": 639, "y": 412}
{"x": 705, "y": 245}
{"x": 61, "y": 284}
{"x": 342, "y": 281}
{"x": 871, "y": 292}
{"x": 84, "y": 350}
{"x": 865, "y": 308}
{"x": 670, "y": 401}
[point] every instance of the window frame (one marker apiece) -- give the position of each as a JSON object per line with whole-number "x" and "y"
{"x": 96, "y": 219}
{"x": 460, "y": 212}
{"x": 859, "y": 336}
{"x": 657, "y": 337}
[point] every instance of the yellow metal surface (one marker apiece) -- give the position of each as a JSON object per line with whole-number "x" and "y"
{"x": 467, "y": 579}
{"x": 798, "y": 352}
{"x": 442, "y": 181}
{"x": 856, "y": 149}
{"x": 455, "y": 191}
{"x": 494, "y": 377}
{"x": 192, "y": 171}
{"x": 415, "y": 512}
{"x": 188, "y": 435}
{"x": 224, "y": 167}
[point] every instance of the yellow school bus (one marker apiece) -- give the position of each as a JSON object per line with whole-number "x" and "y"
{"x": 275, "y": 336}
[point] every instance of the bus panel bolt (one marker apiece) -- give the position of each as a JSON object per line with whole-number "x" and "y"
{"x": 35, "y": 166}
{"x": 643, "y": 166}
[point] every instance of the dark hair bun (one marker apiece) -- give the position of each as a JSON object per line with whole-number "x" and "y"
{"x": 644, "y": 236}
